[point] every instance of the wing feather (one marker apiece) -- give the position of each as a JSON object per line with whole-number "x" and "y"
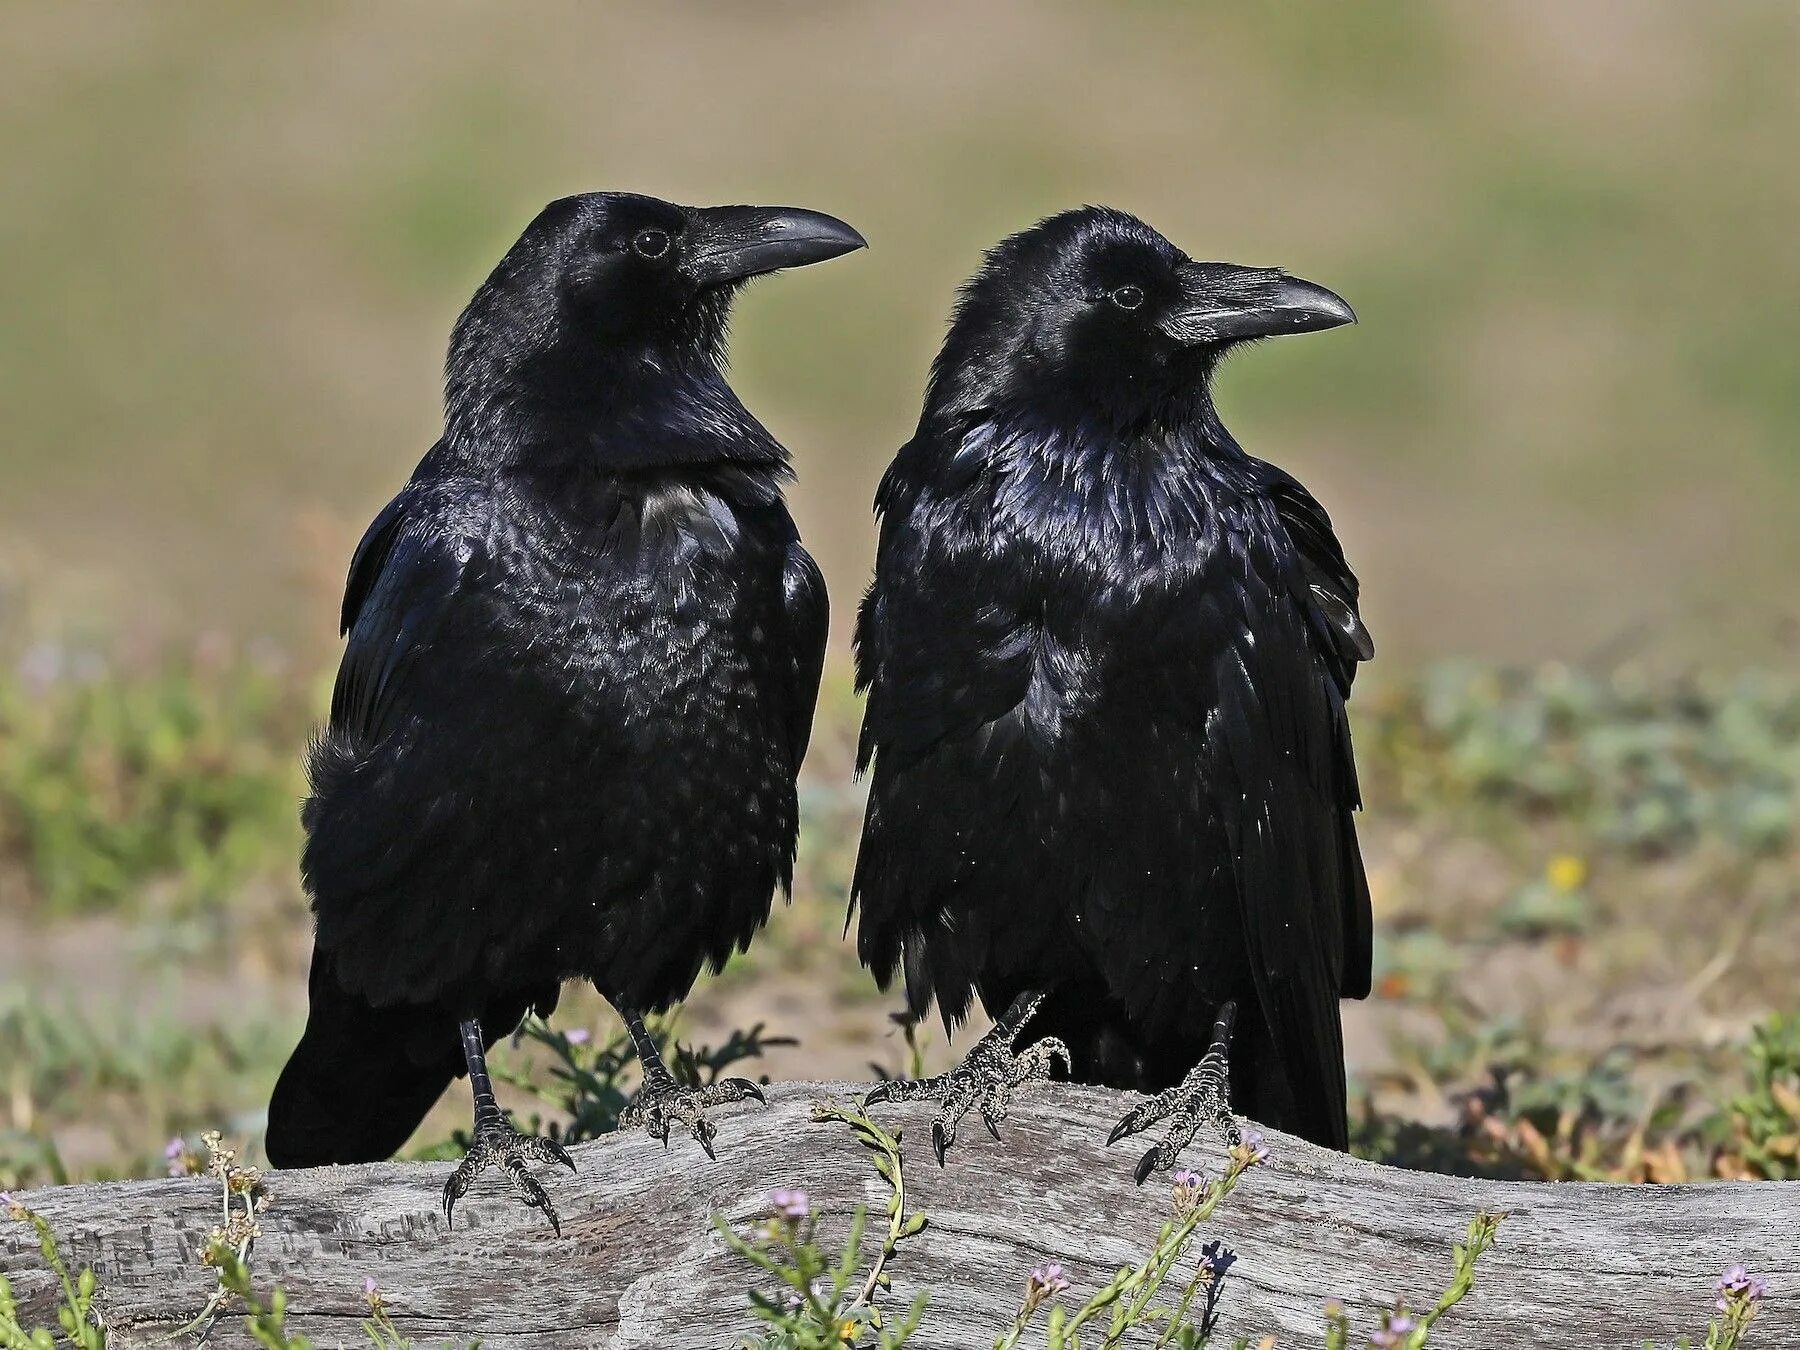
{"x": 1284, "y": 783}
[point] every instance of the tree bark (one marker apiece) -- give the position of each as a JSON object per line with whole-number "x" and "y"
{"x": 639, "y": 1264}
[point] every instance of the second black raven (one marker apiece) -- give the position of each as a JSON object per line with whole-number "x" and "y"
{"x": 1107, "y": 654}
{"x": 584, "y": 649}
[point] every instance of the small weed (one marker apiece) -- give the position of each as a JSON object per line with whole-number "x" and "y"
{"x": 819, "y": 1311}
{"x": 133, "y": 1080}
{"x": 1646, "y": 768}
{"x": 75, "y": 1315}
{"x": 112, "y": 780}
{"x": 587, "y": 1082}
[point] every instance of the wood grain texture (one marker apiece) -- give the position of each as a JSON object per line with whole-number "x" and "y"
{"x": 639, "y": 1265}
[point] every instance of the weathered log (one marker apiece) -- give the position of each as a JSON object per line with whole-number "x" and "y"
{"x": 639, "y": 1264}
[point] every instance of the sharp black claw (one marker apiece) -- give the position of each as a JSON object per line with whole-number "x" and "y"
{"x": 706, "y": 1144}
{"x": 940, "y": 1142}
{"x": 1119, "y": 1131}
{"x": 755, "y": 1090}
{"x": 1146, "y": 1165}
{"x": 992, "y": 1128}
{"x": 876, "y": 1094}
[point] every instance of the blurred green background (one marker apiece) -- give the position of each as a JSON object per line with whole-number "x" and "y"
{"x": 235, "y": 238}
{"x": 1564, "y": 437}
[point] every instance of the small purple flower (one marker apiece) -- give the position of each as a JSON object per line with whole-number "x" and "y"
{"x": 579, "y": 1036}
{"x": 176, "y": 1154}
{"x": 1399, "y": 1327}
{"x": 1738, "y": 1285}
{"x": 6, "y": 1200}
{"x": 1047, "y": 1282}
{"x": 791, "y": 1205}
{"x": 1190, "y": 1189}
{"x": 369, "y": 1286}
{"x": 1253, "y": 1145}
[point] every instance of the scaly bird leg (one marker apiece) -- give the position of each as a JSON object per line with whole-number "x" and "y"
{"x": 984, "y": 1080}
{"x": 1202, "y": 1098}
{"x": 496, "y": 1142}
{"x": 661, "y": 1101}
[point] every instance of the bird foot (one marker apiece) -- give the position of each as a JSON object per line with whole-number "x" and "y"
{"x": 498, "y": 1144}
{"x": 662, "y": 1103}
{"x": 1202, "y": 1098}
{"x": 984, "y": 1081}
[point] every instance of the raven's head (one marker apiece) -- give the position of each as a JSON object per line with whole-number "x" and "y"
{"x": 1093, "y": 315}
{"x": 609, "y": 285}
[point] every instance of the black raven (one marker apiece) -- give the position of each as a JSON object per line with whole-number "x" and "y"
{"x": 584, "y": 650}
{"x": 1106, "y": 654}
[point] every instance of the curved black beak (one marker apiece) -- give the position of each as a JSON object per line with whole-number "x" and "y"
{"x": 1224, "y": 303}
{"x": 733, "y": 243}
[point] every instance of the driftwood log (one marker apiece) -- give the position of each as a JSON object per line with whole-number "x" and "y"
{"x": 1577, "y": 1267}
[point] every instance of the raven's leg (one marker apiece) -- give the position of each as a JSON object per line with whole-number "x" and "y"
{"x": 497, "y": 1142}
{"x": 984, "y": 1080}
{"x": 662, "y": 1101}
{"x": 1202, "y": 1098}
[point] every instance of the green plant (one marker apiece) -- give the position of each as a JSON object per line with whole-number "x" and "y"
{"x": 588, "y": 1082}
{"x": 1127, "y": 1299}
{"x": 820, "y": 1311}
{"x": 1645, "y": 766}
{"x": 110, "y": 780}
{"x": 1527, "y": 1112}
{"x": 76, "y": 1313}
{"x": 132, "y": 1077}
{"x": 1761, "y": 1127}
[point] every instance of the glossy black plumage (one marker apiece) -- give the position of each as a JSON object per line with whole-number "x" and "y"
{"x": 584, "y": 646}
{"x": 1107, "y": 654}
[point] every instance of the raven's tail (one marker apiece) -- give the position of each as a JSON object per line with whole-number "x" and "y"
{"x": 361, "y": 1079}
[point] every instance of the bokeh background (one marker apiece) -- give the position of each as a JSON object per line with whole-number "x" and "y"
{"x": 1562, "y": 448}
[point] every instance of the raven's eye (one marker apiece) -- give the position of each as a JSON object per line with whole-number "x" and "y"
{"x": 1128, "y": 297}
{"x": 650, "y": 243}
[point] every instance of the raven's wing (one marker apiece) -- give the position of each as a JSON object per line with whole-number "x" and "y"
{"x": 808, "y": 614}
{"x": 407, "y": 584}
{"x": 1280, "y": 769}
{"x": 944, "y": 653}
{"x": 941, "y": 649}
{"x": 388, "y": 772}
{"x": 1328, "y": 592}
{"x": 1326, "y": 587}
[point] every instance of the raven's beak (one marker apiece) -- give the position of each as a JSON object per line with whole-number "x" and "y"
{"x": 1224, "y": 303}
{"x": 732, "y": 243}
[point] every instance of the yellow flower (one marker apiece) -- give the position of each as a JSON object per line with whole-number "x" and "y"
{"x": 1566, "y": 872}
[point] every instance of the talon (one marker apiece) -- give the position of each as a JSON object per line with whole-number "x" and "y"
{"x": 988, "y": 1121}
{"x": 874, "y": 1096}
{"x": 497, "y": 1144}
{"x": 1201, "y": 1099}
{"x": 1146, "y": 1165}
{"x": 661, "y": 1103}
{"x": 940, "y": 1142}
